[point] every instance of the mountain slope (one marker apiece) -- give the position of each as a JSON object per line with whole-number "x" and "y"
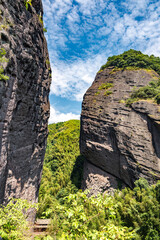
{"x": 62, "y": 170}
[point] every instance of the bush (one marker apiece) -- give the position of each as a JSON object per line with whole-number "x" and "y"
{"x": 134, "y": 59}
{"x": 128, "y": 214}
{"x": 13, "y": 219}
{"x": 2, "y": 60}
{"x": 105, "y": 86}
{"x": 151, "y": 91}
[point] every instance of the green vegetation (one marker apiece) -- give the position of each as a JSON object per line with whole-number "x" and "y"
{"x": 63, "y": 165}
{"x": 27, "y": 3}
{"x": 5, "y": 24}
{"x": 107, "y": 93}
{"x": 105, "y": 86}
{"x": 134, "y": 59}
{"x": 151, "y": 91}
{"x": 13, "y": 224}
{"x": 2, "y": 60}
{"x": 41, "y": 22}
{"x": 97, "y": 93}
{"x": 128, "y": 214}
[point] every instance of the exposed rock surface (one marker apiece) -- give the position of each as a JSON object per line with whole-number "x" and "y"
{"x": 24, "y": 104}
{"x": 122, "y": 143}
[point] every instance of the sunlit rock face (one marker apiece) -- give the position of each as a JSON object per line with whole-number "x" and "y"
{"x": 24, "y": 104}
{"x": 120, "y": 143}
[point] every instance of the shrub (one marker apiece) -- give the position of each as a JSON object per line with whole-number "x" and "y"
{"x": 105, "y": 86}
{"x": 128, "y": 214}
{"x": 135, "y": 59}
{"x": 2, "y": 60}
{"x": 151, "y": 91}
{"x": 13, "y": 219}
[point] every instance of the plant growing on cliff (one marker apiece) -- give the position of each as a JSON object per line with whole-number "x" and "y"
{"x": 42, "y": 23}
{"x": 27, "y": 3}
{"x": 105, "y": 86}
{"x": 151, "y": 91}
{"x": 2, "y": 60}
{"x": 134, "y": 59}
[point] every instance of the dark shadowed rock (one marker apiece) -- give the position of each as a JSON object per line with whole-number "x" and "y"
{"x": 120, "y": 144}
{"x": 24, "y": 104}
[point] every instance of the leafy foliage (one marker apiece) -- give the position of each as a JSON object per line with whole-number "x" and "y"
{"x": 27, "y": 3}
{"x": 151, "y": 91}
{"x": 135, "y": 59}
{"x": 13, "y": 219}
{"x": 2, "y": 60}
{"x": 128, "y": 214}
{"x": 63, "y": 165}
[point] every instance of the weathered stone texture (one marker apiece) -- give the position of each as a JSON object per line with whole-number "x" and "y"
{"x": 24, "y": 104}
{"x": 121, "y": 141}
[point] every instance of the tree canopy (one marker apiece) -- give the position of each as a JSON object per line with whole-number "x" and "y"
{"x": 135, "y": 59}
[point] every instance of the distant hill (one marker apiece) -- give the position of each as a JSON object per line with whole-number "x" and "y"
{"x": 63, "y": 164}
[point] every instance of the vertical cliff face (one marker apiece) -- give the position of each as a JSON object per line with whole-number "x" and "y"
{"x": 24, "y": 104}
{"x": 120, "y": 143}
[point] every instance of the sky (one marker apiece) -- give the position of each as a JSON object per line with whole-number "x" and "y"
{"x": 82, "y": 34}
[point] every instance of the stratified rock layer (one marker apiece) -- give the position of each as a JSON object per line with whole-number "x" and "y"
{"x": 123, "y": 143}
{"x": 24, "y": 105}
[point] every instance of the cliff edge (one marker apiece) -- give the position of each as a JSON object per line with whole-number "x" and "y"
{"x": 120, "y": 143}
{"x": 24, "y": 104}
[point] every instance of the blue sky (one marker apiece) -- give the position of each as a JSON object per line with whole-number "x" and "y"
{"x": 82, "y": 34}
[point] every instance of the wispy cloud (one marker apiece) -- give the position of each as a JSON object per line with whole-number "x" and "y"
{"x": 56, "y": 116}
{"x": 71, "y": 80}
{"x": 83, "y": 33}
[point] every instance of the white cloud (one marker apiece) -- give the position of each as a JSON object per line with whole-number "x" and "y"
{"x": 56, "y": 116}
{"x": 72, "y": 80}
{"x": 106, "y": 30}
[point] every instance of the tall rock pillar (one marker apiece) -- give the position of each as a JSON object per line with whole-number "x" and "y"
{"x": 24, "y": 103}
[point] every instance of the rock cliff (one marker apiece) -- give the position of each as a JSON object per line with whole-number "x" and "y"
{"x": 120, "y": 143}
{"x": 24, "y": 104}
